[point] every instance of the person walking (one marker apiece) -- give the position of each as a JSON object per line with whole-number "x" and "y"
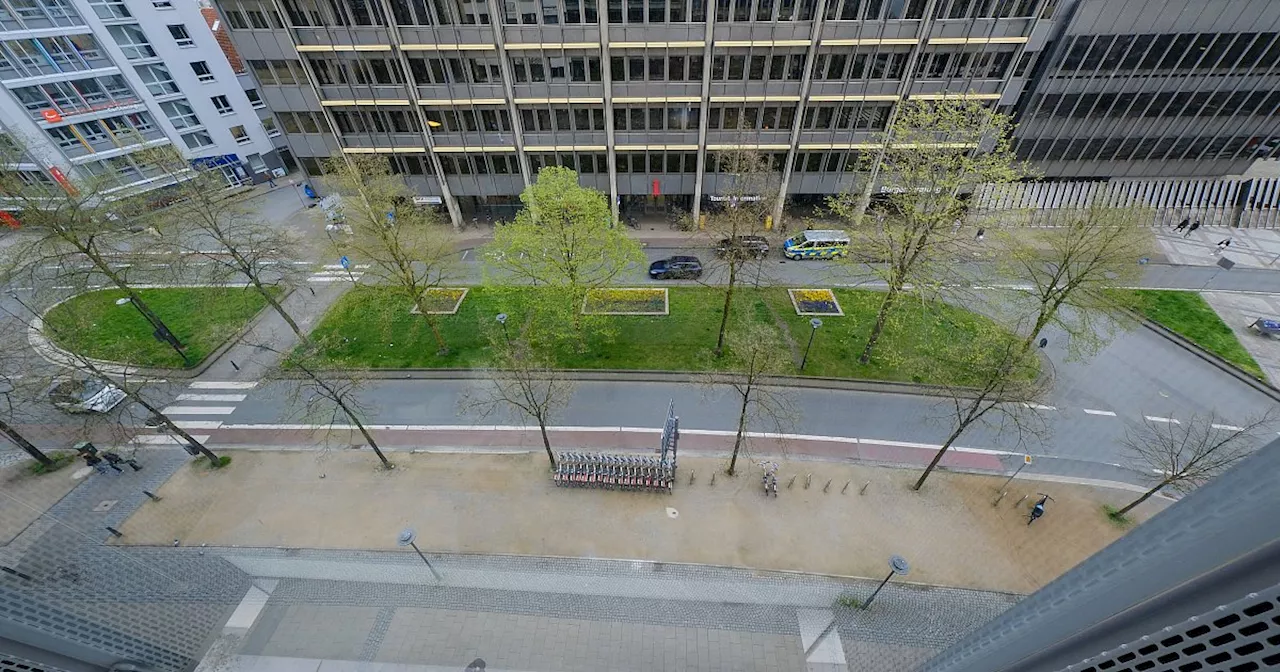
{"x": 1222, "y": 246}
{"x": 1195, "y": 225}
{"x": 1186, "y": 221}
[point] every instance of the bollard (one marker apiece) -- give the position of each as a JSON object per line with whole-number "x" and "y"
{"x": 999, "y": 497}
{"x": 808, "y": 478}
{"x": 846, "y": 487}
{"x": 114, "y": 532}
{"x": 791, "y": 482}
{"x": 234, "y": 365}
{"x": 827, "y": 486}
{"x": 10, "y": 570}
{"x": 691, "y": 475}
{"x": 1020, "y": 501}
{"x": 713, "y": 478}
{"x": 313, "y": 290}
{"x": 152, "y": 495}
{"x": 863, "y": 491}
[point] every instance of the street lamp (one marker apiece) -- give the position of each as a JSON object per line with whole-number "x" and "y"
{"x": 897, "y": 565}
{"x": 502, "y": 319}
{"x": 159, "y": 331}
{"x": 406, "y": 539}
{"x": 815, "y": 323}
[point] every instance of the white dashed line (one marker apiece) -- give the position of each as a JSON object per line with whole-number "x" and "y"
{"x": 1156, "y": 418}
{"x": 228, "y": 385}
{"x": 198, "y": 424}
{"x": 1093, "y": 411}
{"x": 167, "y": 439}
{"x": 210, "y": 397}
{"x": 1040, "y": 407}
{"x": 199, "y": 410}
{"x": 1229, "y": 428}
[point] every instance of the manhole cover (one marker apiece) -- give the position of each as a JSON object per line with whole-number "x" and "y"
{"x": 105, "y": 505}
{"x": 672, "y": 513}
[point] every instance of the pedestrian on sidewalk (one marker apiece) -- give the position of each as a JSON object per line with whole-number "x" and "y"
{"x": 1186, "y": 221}
{"x": 982, "y": 233}
{"x": 1222, "y": 246}
{"x": 1194, "y": 226}
{"x": 115, "y": 461}
{"x": 95, "y": 462}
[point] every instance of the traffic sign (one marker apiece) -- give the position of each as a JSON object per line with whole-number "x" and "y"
{"x": 345, "y": 262}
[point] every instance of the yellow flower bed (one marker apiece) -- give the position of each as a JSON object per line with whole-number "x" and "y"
{"x": 622, "y": 301}
{"x": 813, "y": 295}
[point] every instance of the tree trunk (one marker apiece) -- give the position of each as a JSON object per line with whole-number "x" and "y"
{"x": 169, "y": 425}
{"x": 742, "y": 424}
{"x": 275, "y": 305}
{"x": 1145, "y": 496}
{"x": 546, "y": 442}
{"x": 938, "y": 456}
{"x": 386, "y": 464}
{"x": 22, "y": 442}
{"x": 104, "y": 268}
{"x": 442, "y": 348}
{"x": 724, "y": 312}
{"x": 881, "y": 318}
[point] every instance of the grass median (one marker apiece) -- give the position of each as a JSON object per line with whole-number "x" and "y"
{"x": 371, "y": 327}
{"x": 1190, "y": 316}
{"x": 203, "y": 318}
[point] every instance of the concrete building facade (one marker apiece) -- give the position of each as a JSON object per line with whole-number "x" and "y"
{"x": 88, "y": 83}
{"x": 468, "y": 99}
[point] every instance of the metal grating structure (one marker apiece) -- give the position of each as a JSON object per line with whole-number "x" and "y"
{"x": 1241, "y": 636}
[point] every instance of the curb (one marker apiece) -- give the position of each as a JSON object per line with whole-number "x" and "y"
{"x": 1222, "y": 364}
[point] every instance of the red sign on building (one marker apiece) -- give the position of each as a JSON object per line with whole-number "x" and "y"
{"x": 657, "y": 190}
{"x": 51, "y": 116}
{"x": 61, "y": 178}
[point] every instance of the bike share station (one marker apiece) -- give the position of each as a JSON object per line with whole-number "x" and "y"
{"x": 620, "y": 471}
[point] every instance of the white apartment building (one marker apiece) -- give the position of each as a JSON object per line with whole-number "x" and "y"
{"x": 87, "y": 83}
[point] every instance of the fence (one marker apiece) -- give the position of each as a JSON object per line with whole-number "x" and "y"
{"x": 1242, "y": 203}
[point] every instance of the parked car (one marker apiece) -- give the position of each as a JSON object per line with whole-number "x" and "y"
{"x": 745, "y": 247}
{"x": 79, "y": 395}
{"x": 675, "y": 267}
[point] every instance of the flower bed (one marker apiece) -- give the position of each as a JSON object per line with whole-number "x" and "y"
{"x": 625, "y": 301}
{"x": 441, "y": 300}
{"x": 814, "y": 302}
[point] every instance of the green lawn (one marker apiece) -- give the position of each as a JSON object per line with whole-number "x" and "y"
{"x": 372, "y": 327}
{"x": 1190, "y": 316}
{"x": 201, "y": 317}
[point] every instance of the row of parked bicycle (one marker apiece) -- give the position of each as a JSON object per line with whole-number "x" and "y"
{"x": 623, "y": 472}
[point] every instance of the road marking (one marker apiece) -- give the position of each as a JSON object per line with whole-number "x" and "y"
{"x": 198, "y": 424}
{"x": 226, "y": 385}
{"x": 1229, "y": 428}
{"x": 1156, "y": 418}
{"x": 1092, "y": 411}
{"x": 1040, "y": 407}
{"x": 341, "y": 267}
{"x": 210, "y": 397}
{"x": 167, "y": 439}
{"x": 338, "y": 278}
{"x": 199, "y": 410}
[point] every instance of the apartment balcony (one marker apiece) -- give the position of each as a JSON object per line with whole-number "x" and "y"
{"x": 364, "y": 92}
{"x": 405, "y": 142}
{"x": 96, "y": 148}
{"x": 89, "y": 110}
{"x": 32, "y": 22}
{"x": 536, "y": 140}
{"x": 33, "y": 75}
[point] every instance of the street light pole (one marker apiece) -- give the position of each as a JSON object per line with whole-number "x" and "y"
{"x": 406, "y": 538}
{"x": 897, "y": 565}
{"x": 502, "y": 319}
{"x": 1026, "y": 459}
{"x": 814, "y": 323}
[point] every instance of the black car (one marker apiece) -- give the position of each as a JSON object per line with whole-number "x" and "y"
{"x": 745, "y": 247}
{"x": 675, "y": 267}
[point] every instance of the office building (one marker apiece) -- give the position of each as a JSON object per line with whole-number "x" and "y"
{"x": 88, "y": 83}
{"x": 469, "y": 99}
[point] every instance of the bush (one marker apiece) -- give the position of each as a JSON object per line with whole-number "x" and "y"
{"x": 1114, "y": 515}
{"x": 848, "y": 601}
{"x": 223, "y": 460}
{"x": 61, "y": 458}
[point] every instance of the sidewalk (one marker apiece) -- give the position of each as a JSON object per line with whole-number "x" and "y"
{"x": 1250, "y": 248}
{"x": 506, "y": 504}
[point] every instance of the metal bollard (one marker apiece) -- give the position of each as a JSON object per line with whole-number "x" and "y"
{"x": 846, "y": 487}
{"x": 827, "y": 486}
{"x": 863, "y": 491}
{"x": 791, "y": 482}
{"x": 114, "y": 532}
{"x": 153, "y": 497}
{"x": 999, "y": 497}
{"x": 808, "y": 478}
{"x": 713, "y": 478}
{"x": 234, "y": 365}
{"x": 1020, "y": 501}
{"x": 692, "y": 473}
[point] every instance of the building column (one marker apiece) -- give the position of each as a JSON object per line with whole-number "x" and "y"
{"x": 806, "y": 81}
{"x": 606, "y": 73}
{"x": 705, "y": 103}
{"x": 508, "y": 87}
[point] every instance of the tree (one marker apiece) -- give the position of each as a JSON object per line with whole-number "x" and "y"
{"x": 1002, "y": 379}
{"x": 746, "y": 179}
{"x": 564, "y": 238}
{"x": 522, "y": 380}
{"x": 934, "y": 154}
{"x": 65, "y": 224}
{"x": 755, "y": 353}
{"x": 1187, "y": 454}
{"x": 200, "y": 211}
{"x": 322, "y": 392}
{"x": 409, "y": 248}
{"x": 1072, "y": 269}
{"x": 7, "y": 397}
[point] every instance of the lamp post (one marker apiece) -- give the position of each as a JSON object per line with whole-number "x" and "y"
{"x": 406, "y": 539}
{"x": 814, "y": 323}
{"x": 897, "y": 565}
{"x": 502, "y": 319}
{"x": 1026, "y": 459}
{"x": 159, "y": 331}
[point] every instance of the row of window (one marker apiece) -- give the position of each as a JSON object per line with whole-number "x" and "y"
{"x": 1182, "y": 51}
{"x": 46, "y": 55}
{"x": 1165, "y": 104}
{"x": 1144, "y": 149}
{"x": 119, "y": 131}
{"x": 73, "y": 96}
{"x": 556, "y": 12}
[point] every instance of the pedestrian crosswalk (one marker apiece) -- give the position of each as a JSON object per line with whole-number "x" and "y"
{"x": 197, "y": 409}
{"x": 336, "y": 273}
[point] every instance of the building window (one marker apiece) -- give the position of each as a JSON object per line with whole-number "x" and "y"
{"x": 197, "y": 140}
{"x": 180, "y": 113}
{"x": 201, "y": 68}
{"x": 157, "y": 79}
{"x": 223, "y": 105}
{"x": 180, "y": 35}
{"x": 110, "y": 9}
{"x": 269, "y": 125}
{"x": 236, "y": 19}
{"x": 162, "y": 4}
{"x": 254, "y": 99}
{"x": 133, "y": 42}
{"x": 241, "y": 137}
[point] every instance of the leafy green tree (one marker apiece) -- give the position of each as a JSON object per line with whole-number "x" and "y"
{"x": 934, "y": 154}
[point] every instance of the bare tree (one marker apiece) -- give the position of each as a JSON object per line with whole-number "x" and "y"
{"x": 1000, "y": 384}
{"x": 8, "y": 410}
{"x": 523, "y": 381}
{"x": 755, "y": 353}
{"x": 745, "y": 179}
{"x": 934, "y": 153}
{"x": 203, "y": 222}
{"x": 322, "y": 392}
{"x": 1189, "y": 453}
{"x": 409, "y": 247}
{"x": 1072, "y": 268}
